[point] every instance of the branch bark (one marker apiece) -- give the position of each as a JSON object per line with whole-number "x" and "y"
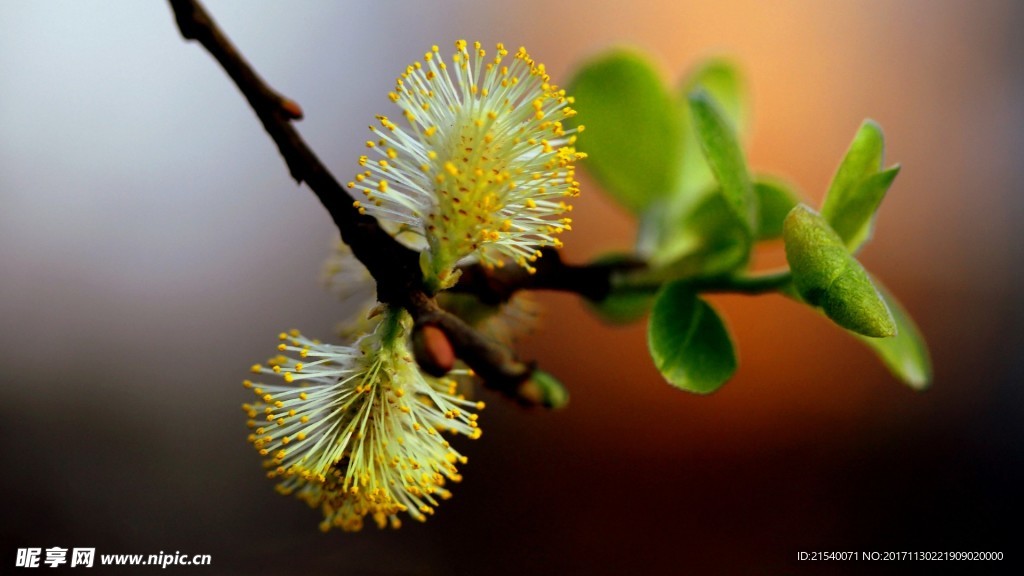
{"x": 394, "y": 267}
{"x": 391, "y": 264}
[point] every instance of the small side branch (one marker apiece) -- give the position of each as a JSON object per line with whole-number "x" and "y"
{"x": 492, "y": 361}
{"x": 497, "y": 285}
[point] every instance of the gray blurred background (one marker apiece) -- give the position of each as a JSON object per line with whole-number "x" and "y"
{"x": 152, "y": 245}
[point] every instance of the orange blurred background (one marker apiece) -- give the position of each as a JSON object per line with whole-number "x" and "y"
{"x": 152, "y": 245}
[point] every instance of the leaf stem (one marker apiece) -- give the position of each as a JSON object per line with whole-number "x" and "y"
{"x": 743, "y": 284}
{"x": 751, "y": 285}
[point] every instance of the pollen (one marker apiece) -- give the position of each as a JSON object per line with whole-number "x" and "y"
{"x": 335, "y": 439}
{"x": 484, "y": 139}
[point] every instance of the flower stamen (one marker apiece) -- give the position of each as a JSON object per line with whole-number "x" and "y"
{"x": 485, "y": 163}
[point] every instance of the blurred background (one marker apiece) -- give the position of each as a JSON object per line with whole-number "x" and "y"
{"x": 152, "y": 245}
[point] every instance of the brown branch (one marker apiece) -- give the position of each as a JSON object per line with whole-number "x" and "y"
{"x": 394, "y": 267}
{"x": 591, "y": 281}
{"x": 492, "y": 361}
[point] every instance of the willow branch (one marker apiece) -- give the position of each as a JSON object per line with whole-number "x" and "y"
{"x": 492, "y": 361}
{"x": 394, "y": 267}
{"x": 497, "y": 285}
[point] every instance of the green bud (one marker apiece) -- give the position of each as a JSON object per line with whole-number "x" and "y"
{"x": 544, "y": 389}
{"x": 826, "y": 275}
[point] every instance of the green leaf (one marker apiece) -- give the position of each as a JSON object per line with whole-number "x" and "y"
{"x": 775, "y": 199}
{"x": 663, "y": 233}
{"x": 826, "y": 275}
{"x": 721, "y": 79}
{"x": 710, "y": 241}
{"x": 855, "y": 221}
{"x": 906, "y": 355}
{"x": 858, "y": 186}
{"x": 688, "y": 342}
{"x": 543, "y": 389}
{"x": 633, "y": 130}
{"x": 722, "y": 151}
{"x": 863, "y": 158}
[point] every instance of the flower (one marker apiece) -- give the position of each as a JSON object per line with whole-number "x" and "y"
{"x": 485, "y": 166}
{"x": 357, "y": 430}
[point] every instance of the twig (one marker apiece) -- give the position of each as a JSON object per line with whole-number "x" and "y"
{"x": 390, "y": 263}
{"x": 495, "y": 286}
{"x": 394, "y": 267}
{"x": 492, "y": 361}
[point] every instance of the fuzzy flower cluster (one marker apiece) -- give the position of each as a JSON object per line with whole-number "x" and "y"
{"x": 482, "y": 172}
{"x": 485, "y": 166}
{"x": 358, "y": 430}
